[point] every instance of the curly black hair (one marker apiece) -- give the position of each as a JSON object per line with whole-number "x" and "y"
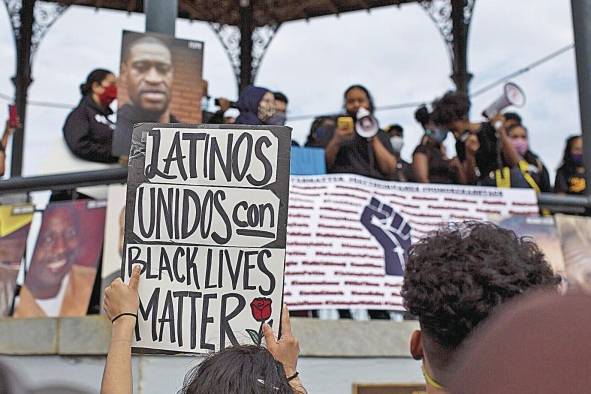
{"x": 450, "y": 107}
{"x": 457, "y": 276}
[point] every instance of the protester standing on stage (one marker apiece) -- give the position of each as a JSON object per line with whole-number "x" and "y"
{"x": 531, "y": 171}
{"x": 570, "y": 177}
{"x": 429, "y": 163}
{"x": 88, "y": 130}
{"x": 348, "y": 152}
{"x": 479, "y": 149}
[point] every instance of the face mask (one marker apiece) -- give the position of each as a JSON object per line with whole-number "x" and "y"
{"x": 277, "y": 119}
{"x": 397, "y": 143}
{"x": 108, "y": 95}
{"x": 439, "y": 135}
{"x": 265, "y": 111}
{"x": 520, "y": 145}
{"x": 205, "y": 103}
{"x": 577, "y": 159}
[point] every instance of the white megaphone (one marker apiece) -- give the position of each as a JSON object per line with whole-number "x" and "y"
{"x": 512, "y": 96}
{"x": 366, "y": 125}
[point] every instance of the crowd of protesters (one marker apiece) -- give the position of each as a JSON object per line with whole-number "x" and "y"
{"x": 495, "y": 152}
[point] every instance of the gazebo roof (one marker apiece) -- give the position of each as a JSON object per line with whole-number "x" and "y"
{"x": 266, "y": 12}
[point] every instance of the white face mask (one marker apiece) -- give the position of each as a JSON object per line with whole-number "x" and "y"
{"x": 397, "y": 143}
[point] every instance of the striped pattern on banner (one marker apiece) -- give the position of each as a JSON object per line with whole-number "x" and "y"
{"x": 345, "y": 232}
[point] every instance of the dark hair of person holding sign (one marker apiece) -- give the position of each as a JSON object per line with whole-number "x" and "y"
{"x": 88, "y": 130}
{"x": 348, "y": 152}
{"x": 234, "y": 370}
{"x": 570, "y": 177}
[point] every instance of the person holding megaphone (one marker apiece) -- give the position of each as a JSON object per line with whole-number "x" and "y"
{"x": 482, "y": 148}
{"x": 358, "y": 146}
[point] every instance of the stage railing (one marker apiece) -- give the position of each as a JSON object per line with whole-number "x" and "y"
{"x": 73, "y": 180}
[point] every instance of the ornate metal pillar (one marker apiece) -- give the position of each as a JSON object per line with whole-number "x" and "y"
{"x": 245, "y": 45}
{"x": 30, "y": 21}
{"x": 452, "y": 18}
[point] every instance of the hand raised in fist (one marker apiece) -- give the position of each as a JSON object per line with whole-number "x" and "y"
{"x": 391, "y": 230}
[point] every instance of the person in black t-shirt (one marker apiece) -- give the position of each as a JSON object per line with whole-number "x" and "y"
{"x": 480, "y": 146}
{"x": 570, "y": 177}
{"x": 347, "y": 152}
{"x": 403, "y": 171}
{"x": 430, "y": 163}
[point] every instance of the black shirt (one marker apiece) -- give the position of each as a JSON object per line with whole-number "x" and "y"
{"x": 487, "y": 156}
{"x": 88, "y": 132}
{"x": 127, "y": 116}
{"x": 440, "y": 170}
{"x": 356, "y": 156}
{"x": 570, "y": 180}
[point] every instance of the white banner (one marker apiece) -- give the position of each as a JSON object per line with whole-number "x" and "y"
{"x": 347, "y": 235}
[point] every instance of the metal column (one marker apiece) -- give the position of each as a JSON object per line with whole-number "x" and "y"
{"x": 581, "y": 10}
{"x": 22, "y": 80}
{"x": 161, "y": 16}
{"x": 460, "y": 76}
{"x": 246, "y": 33}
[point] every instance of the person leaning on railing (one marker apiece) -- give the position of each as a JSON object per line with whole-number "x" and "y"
{"x": 8, "y": 130}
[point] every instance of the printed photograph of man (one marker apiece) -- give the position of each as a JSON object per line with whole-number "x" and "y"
{"x": 14, "y": 228}
{"x": 149, "y": 83}
{"x": 64, "y": 264}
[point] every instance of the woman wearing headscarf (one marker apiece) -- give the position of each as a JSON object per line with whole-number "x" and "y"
{"x": 88, "y": 130}
{"x": 256, "y": 105}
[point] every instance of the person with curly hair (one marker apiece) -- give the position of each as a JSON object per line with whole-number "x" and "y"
{"x": 481, "y": 147}
{"x": 455, "y": 278}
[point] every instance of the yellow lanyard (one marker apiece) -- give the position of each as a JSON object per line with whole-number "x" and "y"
{"x": 431, "y": 381}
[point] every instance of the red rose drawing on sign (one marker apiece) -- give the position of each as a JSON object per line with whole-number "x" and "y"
{"x": 261, "y": 311}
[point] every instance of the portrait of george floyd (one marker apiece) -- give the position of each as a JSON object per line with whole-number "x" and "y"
{"x": 160, "y": 81}
{"x": 64, "y": 263}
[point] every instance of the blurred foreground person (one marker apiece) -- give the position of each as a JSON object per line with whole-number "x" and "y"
{"x": 11, "y": 384}
{"x": 88, "y": 130}
{"x": 540, "y": 344}
{"x": 570, "y": 177}
{"x": 234, "y": 370}
{"x": 455, "y": 278}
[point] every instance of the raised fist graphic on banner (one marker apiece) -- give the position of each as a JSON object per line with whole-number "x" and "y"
{"x": 391, "y": 230}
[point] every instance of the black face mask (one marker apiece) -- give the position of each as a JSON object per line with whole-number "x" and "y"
{"x": 277, "y": 119}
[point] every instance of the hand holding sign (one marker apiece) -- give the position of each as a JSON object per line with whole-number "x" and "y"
{"x": 286, "y": 349}
{"x": 121, "y": 298}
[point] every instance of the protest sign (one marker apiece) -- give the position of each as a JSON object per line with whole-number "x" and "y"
{"x": 159, "y": 81}
{"x": 64, "y": 264}
{"x": 15, "y": 221}
{"x": 206, "y": 219}
{"x": 348, "y": 235}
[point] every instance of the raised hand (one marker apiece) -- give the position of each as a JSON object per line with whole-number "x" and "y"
{"x": 391, "y": 230}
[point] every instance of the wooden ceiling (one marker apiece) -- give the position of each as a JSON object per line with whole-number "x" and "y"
{"x": 266, "y": 12}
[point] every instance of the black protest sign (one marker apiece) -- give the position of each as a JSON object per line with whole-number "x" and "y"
{"x": 206, "y": 219}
